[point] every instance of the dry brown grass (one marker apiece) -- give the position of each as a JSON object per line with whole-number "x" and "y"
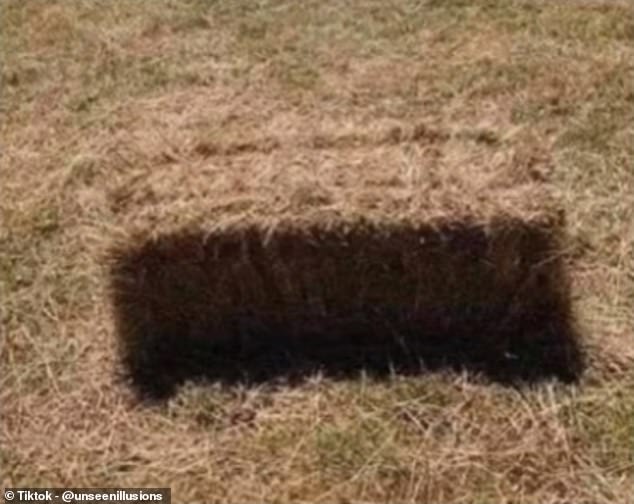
{"x": 107, "y": 106}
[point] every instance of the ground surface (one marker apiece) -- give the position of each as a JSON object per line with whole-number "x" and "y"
{"x": 96, "y": 95}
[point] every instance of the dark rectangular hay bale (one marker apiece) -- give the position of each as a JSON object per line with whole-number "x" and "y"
{"x": 251, "y": 302}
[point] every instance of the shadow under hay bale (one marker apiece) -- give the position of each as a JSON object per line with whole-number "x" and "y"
{"x": 247, "y": 304}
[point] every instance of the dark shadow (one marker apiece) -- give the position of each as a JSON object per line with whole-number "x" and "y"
{"x": 246, "y": 305}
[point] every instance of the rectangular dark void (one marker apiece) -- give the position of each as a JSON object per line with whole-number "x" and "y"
{"x": 251, "y": 304}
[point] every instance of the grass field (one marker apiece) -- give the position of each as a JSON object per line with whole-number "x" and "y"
{"x": 95, "y": 95}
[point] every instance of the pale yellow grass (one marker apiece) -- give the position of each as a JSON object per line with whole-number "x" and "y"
{"x": 97, "y": 95}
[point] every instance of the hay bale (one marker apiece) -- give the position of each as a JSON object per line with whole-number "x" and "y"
{"x": 326, "y": 270}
